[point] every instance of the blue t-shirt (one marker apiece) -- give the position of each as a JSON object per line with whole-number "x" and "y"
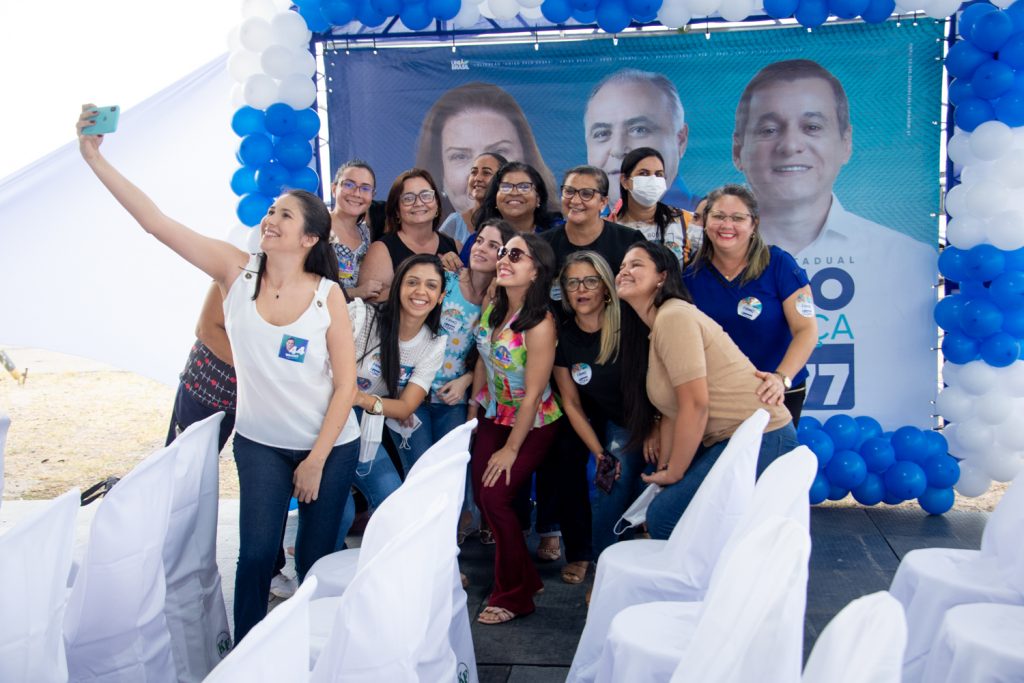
{"x": 752, "y": 314}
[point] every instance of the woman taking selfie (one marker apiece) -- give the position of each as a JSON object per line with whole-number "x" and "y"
{"x": 294, "y": 356}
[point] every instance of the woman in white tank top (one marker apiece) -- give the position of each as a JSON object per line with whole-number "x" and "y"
{"x": 295, "y": 359}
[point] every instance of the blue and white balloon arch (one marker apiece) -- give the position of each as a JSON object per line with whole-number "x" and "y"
{"x": 982, "y": 315}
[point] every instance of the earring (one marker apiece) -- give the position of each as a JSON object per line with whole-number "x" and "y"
{"x": 607, "y": 298}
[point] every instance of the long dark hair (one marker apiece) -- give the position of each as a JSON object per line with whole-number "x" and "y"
{"x": 387, "y": 318}
{"x": 392, "y": 215}
{"x": 535, "y": 304}
{"x": 316, "y": 221}
{"x": 640, "y": 412}
{"x": 489, "y": 206}
{"x": 664, "y": 214}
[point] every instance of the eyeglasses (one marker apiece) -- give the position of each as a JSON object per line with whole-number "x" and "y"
{"x": 350, "y": 186}
{"x": 425, "y": 196}
{"x": 515, "y": 254}
{"x": 586, "y": 194}
{"x": 735, "y": 218}
{"x": 589, "y": 282}
{"x": 521, "y": 188}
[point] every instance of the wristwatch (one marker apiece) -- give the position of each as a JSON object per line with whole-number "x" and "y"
{"x": 378, "y": 405}
{"x": 786, "y": 381}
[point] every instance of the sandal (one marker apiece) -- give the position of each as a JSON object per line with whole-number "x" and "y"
{"x": 495, "y": 615}
{"x": 575, "y": 572}
{"x": 550, "y": 549}
{"x": 486, "y": 537}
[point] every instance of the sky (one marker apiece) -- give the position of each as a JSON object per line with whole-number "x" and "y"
{"x": 56, "y": 55}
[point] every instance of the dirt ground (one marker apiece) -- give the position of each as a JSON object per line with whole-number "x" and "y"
{"x": 77, "y": 421}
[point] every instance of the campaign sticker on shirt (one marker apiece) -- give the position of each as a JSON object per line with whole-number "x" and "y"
{"x": 375, "y": 368}
{"x": 346, "y": 266}
{"x": 363, "y": 383}
{"x": 450, "y": 321}
{"x": 749, "y": 308}
{"x": 556, "y": 292}
{"x": 293, "y": 348}
{"x": 502, "y": 356}
{"x": 581, "y": 373}
{"x": 805, "y": 305}
{"x": 404, "y": 375}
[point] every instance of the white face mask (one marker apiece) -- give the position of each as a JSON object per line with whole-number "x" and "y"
{"x": 647, "y": 189}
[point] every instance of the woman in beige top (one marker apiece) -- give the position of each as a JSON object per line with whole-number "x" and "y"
{"x": 697, "y": 378}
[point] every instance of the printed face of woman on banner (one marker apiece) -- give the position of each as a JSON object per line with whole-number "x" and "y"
{"x": 464, "y": 137}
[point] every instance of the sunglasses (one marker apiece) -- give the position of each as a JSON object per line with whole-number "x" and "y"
{"x": 515, "y": 254}
{"x": 425, "y": 196}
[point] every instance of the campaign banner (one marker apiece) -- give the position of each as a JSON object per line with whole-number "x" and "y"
{"x": 856, "y": 208}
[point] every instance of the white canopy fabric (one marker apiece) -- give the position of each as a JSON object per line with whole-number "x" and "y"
{"x": 80, "y": 276}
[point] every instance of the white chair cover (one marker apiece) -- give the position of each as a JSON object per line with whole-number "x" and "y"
{"x": 115, "y": 630}
{"x": 276, "y": 648}
{"x": 633, "y": 572}
{"x": 35, "y": 558}
{"x": 194, "y": 607}
{"x": 979, "y": 642}
{"x": 930, "y": 581}
{"x": 382, "y": 621}
{"x": 862, "y": 644}
{"x": 5, "y": 424}
{"x": 749, "y": 628}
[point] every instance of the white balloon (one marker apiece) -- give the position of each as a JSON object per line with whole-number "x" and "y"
{"x": 949, "y": 431}
{"x": 1010, "y": 170}
{"x": 234, "y": 42}
{"x": 264, "y": 9}
{"x": 674, "y": 14}
{"x": 237, "y": 96}
{"x": 468, "y": 16}
{"x": 965, "y": 231}
{"x": 254, "y": 34}
{"x": 243, "y": 64}
{"x": 298, "y": 92}
{"x": 1011, "y": 379}
{"x": 954, "y": 404}
{"x": 277, "y": 61}
{"x": 530, "y": 3}
{"x": 303, "y": 63}
{"x": 1009, "y": 435}
{"x": 986, "y": 199}
{"x": 472, "y": 2}
{"x": 950, "y": 372}
{"x": 1002, "y": 465}
{"x": 503, "y": 9}
{"x": 260, "y": 91}
{"x": 959, "y": 148}
{"x": 530, "y": 13}
{"x": 289, "y": 28}
{"x": 735, "y": 10}
{"x": 976, "y": 377}
{"x": 993, "y": 408}
{"x": 702, "y": 8}
{"x": 1002, "y": 4}
{"x": 485, "y": 10}
{"x": 940, "y": 9}
{"x": 1005, "y": 230}
{"x": 991, "y": 139}
{"x": 242, "y": 237}
{"x": 978, "y": 172}
{"x": 956, "y": 200}
{"x": 973, "y": 481}
{"x": 975, "y": 435}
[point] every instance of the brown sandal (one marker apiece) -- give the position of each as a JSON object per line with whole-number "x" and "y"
{"x": 495, "y": 615}
{"x": 575, "y": 572}
{"x": 549, "y": 551}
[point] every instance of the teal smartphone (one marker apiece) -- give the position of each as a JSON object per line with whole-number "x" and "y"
{"x": 105, "y": 122}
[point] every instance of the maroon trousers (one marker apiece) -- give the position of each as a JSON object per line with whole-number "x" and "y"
{"x": 515, "y": 577}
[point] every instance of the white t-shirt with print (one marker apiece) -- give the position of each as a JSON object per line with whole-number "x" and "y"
{"x": 420, "y": 358}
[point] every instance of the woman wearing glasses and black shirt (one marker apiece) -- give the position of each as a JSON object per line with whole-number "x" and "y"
{"x": 412, "y": 217}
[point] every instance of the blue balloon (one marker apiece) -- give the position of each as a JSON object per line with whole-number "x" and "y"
{"x": 847, "y": 9}
{"x": 1010, "y": 108}
{"x": 247, "y": 121}
{"x": 808, "y": 423}
{"x": 878, "y": 454}
{"x": 891, "y": 498}
{"x": 819, "y": 489}
{"x": 315, "y": 19}
{"x": 947, "y": 312}
{"x": 307, "y": 123}
{"x": 992, "y": 80}
{"x": 963, "y": 58}
{"x": 780, "y": 9}
{"x": 984, "y": 263}
{"x": 973, "y": 112}
{"x": 846, "y": 469}
{"x": 936, "y": 501}
{"x": 972, "y": 289}
{"x": 1013, "y": 323}
{"x": 255, "y": 149}
{"x": 612, "y": 16}
{"x": 820, "y": 444}
{"x": 1016, "y": 14}
{"x": 871, "y": 491}
{"x": 970, "y": 16}
{"x": 1012, "y": 53}
{"x": 942, "y": 471}
{"x": 280, "y": 119}
{"x": 909, "y": 444}
{"x": 959, "y": 90}
{"x": 878, "y": 11}
{"x": 1000, "y": 350}
{"x": 368, "y": 15}
{"x": 338, "y": 12}
{"x": 844, "y": 431}
{"x": 905, "y": 479}
{"x": 584, "y": 5}
{"x": 293, "y": 151}
{"x": 837, "y": 493}
{"x": 1014, "y": 260}
{"x": 388, "y": 8}
{"x": 812, "y": 13}
{"x": 980, "y": 318}
{"x": 869, "y": 428}
{"x": 991, "y": 31}
{"x": 585, "y": 17}
{"x": 643, "y": 8}
{"x": 271, "y": 177}
{"x": 252, "y": 208}
{"x": 1007, "y": 290}
{"x": 304, "y": 179}
{"x": 953, "y": 264}
{"x": 958, "y": 348}
{"x": 935, "y": 444}
{"x": 556, "y": 11}
{"x": 243, "y": 181}
{"x": 415, "y": 16}
{"x": 444, "y": 10}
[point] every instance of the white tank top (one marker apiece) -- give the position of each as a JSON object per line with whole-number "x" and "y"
{"x": 284, "y": 372}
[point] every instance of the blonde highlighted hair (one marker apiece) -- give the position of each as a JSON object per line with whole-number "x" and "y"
{"x": 610, "y": 323}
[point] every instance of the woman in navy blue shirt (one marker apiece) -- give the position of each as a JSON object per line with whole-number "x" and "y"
{"x": 758, "y": 294}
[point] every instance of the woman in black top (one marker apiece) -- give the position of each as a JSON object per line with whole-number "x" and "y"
{"x": 412, "y": 217}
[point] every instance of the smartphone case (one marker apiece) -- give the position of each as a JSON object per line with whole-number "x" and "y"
{"x": 106, "y": 121}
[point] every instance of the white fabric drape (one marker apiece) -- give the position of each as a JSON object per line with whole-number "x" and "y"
{"x": 982, "y": 643}
{"x": 862, "y": 644}
{"x": 5, "y": 424}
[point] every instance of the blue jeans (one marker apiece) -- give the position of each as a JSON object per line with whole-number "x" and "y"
{"x": 608, "y": 507}
{"x": 437, "y": 420}
{"x": 265, "y": 483}
{"x": 376, "y": 481}
{"x": 669, "y": 505}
